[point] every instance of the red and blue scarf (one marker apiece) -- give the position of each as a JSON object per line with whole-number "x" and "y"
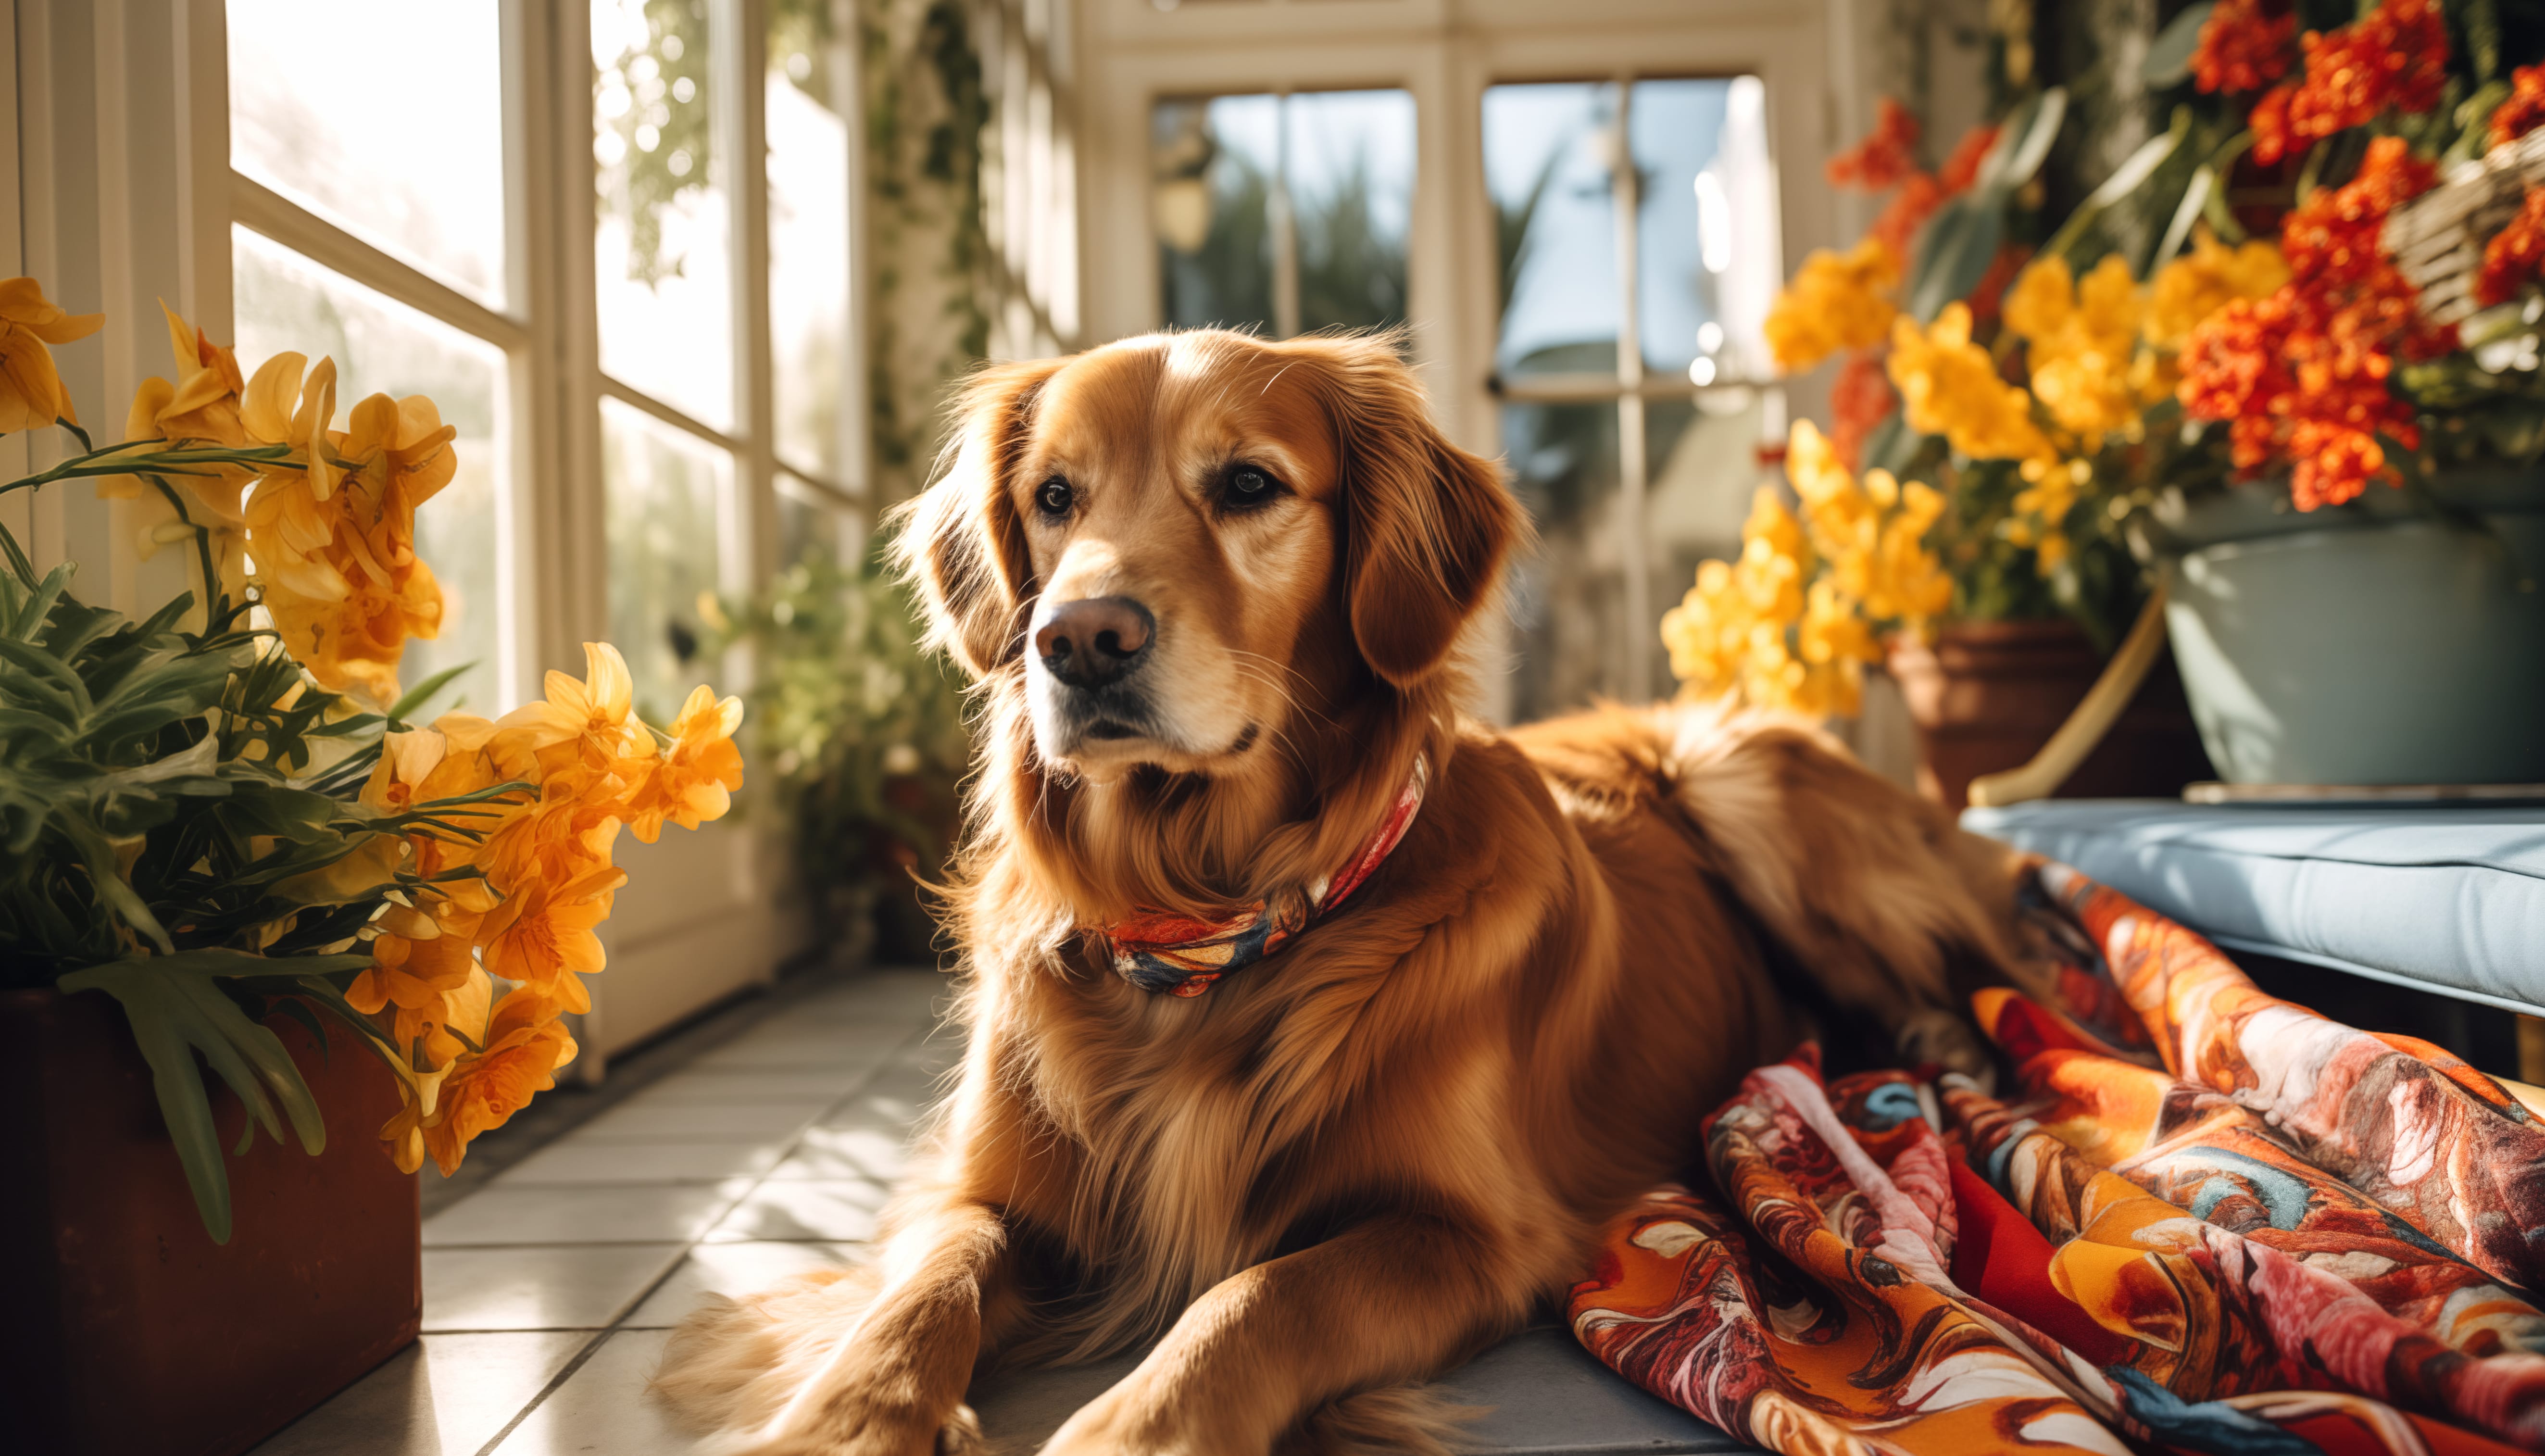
{"x": 1182, "y": 955}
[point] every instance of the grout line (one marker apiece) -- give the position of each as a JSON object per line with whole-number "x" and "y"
{"x": 927, "y": 1025}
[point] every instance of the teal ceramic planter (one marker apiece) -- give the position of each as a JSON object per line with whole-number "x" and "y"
{"x": 2372, "y": 643}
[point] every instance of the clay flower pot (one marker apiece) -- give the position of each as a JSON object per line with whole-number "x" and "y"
{"x": 1987, "y": 696}
{"x": 129, "y": 1331}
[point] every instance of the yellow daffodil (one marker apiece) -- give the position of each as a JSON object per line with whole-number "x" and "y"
{"x": 2083, "y": 343}
{"x": 693, "y": 779}
{"x": 524, "y": 1046}
{"x": 31, "y": 393}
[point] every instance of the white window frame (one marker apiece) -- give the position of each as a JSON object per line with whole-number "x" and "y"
{"x": 124, "y": 194}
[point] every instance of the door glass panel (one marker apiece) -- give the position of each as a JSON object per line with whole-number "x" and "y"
{"x": 1556, "y": 226}
{"x": 423, "y": 180}
{"x": 1568, "y": 603}
{"x": 666, "y": 491}
{"x": 662, "y": 257}
{"x": 1350, "y": 172}
{"x": 285, "y": 301}
{"x": 808, "y": 240}
{"x": 1213, "y": 163}
{"x": 1706, "y": 232}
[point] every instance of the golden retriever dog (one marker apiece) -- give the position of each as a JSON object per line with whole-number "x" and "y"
{"x": 1316, "y": 1028}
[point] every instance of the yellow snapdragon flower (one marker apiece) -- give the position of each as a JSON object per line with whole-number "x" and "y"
{"x": 1950, "y": 386}
{"x": 2084, "y": 342}
{"x": 1793, "y": 621}
{"x": 1835, "y": 302}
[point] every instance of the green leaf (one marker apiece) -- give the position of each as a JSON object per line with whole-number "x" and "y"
{"x": 2023, "y": 144}
{"x": 421, "y": 693}
{"x": 2169, "y": 59}
{"x": 1959, "y": 246}
{"x": 175, "y": 1010}
{"x": 2195, "y": 197}
{"x": 31, "y": 618}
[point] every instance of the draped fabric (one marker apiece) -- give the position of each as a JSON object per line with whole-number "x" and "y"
{"x": 2202, "y": 1219}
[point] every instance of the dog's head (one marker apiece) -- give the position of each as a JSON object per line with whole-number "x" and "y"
{"x": 1177, "y": 545}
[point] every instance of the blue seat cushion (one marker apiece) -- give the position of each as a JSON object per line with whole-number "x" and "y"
{"x": 2445, "y": 898}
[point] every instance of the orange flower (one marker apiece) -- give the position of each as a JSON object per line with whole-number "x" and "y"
{"x": 1885, "y": 157}
{"x": 2302, "y": 373}
{"x": 693, "y": 779}
{"x": 31, "y": 393}
{"x": 524, "y": 1046}
{"x": 413, "y": 967}
{"x": 584, "y": 722}
{"x": 1962, "y": 168}
{"x": 2525, "y": 108}
{"x": 2394, "y": 57}
{"x": 543, "y": 936}
{"x": 2242, "y": 48}
{"x": 2515, "y": 255}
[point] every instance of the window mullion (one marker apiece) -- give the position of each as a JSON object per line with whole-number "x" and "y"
{"x": 261, "y": 210}
{"x": 1632, "y": 560}
{"x": 740, "y": 54}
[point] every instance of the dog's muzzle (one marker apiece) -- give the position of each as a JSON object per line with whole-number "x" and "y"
{"x": 1093, "y": 650}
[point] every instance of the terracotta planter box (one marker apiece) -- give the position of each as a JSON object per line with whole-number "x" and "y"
{"x": 127, "y": 1332}
{"x": 1987, "y": 696}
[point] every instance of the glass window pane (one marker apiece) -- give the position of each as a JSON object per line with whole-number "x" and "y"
{"x": 1214, "y": 164}
{"x": 662, "y": 253}
{"x": 810, "y": 527}
{"x": 808, "y": 240}
{"x": 285, "y": 301}
{"x": 1705, "y": 460}
{"x": 1555, "y": 225}
{"x": 666, "y": 491}
{"x": 1706, "y": 235}
{"x": 1349, "y": 166}
{"x": 307, "y": 119}
{"x": 1568, "y": 603}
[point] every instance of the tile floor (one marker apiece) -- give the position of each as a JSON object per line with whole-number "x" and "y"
{"x": 550, "y": 1286}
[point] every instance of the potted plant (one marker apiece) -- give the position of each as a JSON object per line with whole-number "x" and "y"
{"x": 2326, "y": 489}
{"x": 2354, "y": 602}
{"x": 228, "y": 838}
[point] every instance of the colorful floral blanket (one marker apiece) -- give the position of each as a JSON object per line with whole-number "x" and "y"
{"x": 2202, "y": 1219}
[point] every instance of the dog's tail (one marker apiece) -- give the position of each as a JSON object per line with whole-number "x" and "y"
{"x": 1877, "y": 901}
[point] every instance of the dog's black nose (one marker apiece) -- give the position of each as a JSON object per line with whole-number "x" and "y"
{"x": 1092, "y": 642}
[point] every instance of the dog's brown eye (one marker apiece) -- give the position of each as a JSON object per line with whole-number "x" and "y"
{"x": 1055, "y": 497}
{"x": 1248, "y": 486}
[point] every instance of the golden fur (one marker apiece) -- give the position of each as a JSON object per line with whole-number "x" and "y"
{"x": 1349, "y": 1167}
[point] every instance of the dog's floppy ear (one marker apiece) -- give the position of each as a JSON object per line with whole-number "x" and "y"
{"x": 1427, "y": 525}
{"x": 959, "y": 541}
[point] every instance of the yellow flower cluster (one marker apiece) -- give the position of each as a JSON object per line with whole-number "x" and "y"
{"x": 2206, "y": 280}
{"x": 2082, "y": 346}
{"x": 1950, "y": 386}
{"x": 524, "y": 889}
{"x": 1793, "y": 623}
{"x": 1835, "y": 302}
{"x": 330, "y": 525}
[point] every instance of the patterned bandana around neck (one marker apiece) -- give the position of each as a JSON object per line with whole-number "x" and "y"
{"x": 1182, "y": 955}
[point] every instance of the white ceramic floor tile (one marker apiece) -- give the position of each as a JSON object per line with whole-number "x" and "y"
{"x": 657, "y": 1122}
{"x": 577, "y": 1286}
{"x": 834, "y": 1209}
{"x": 700, "y": 1086}
{"x": 846, "y": 1153}
{"x": 446, "y": 1394}
{"x": 602, "y": 1409}
{"x": 659, "y": 1213}
{"x": 893, "y": 1108}
{"x": 572, "y": 1159}
{"x": 733, "y": 1270}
